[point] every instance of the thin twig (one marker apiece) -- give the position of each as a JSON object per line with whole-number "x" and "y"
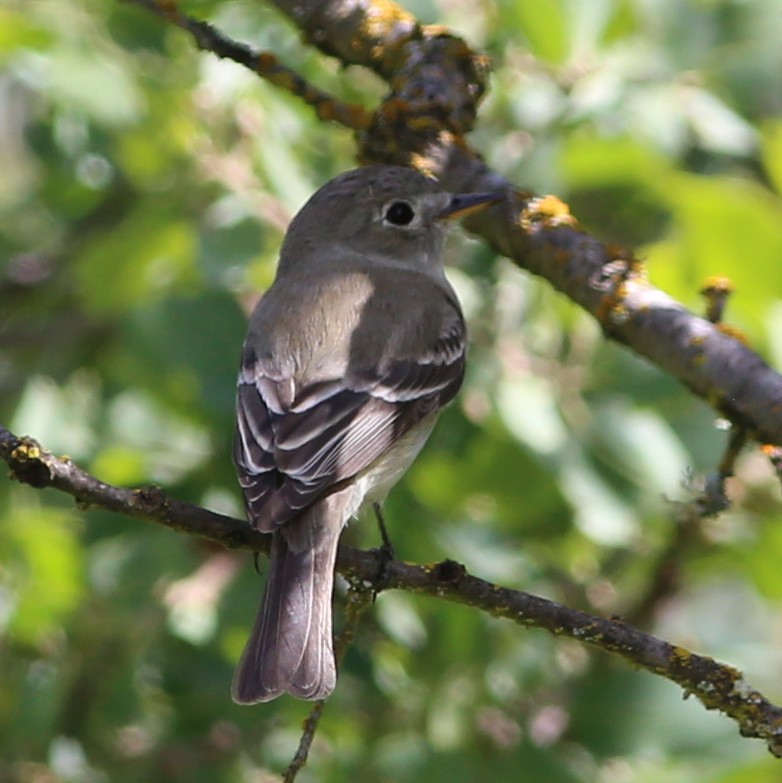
{"x": 710, "y": 499}
{"x": 360, "y": 598}
{"x": 308, "y": 735}
{"x": 265, "y": 64}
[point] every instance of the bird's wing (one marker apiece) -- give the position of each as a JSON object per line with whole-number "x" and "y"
{"x": 293, "y": 446}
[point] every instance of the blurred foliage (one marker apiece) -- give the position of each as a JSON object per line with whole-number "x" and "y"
{"x": 145, "y": 187}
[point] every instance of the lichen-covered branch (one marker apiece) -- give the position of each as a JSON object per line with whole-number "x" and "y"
{"x": 611, "y": 284}
{"x": 31, "y": 464}
{"x": 717, "y": 685}
{"x": 436, "y": 83}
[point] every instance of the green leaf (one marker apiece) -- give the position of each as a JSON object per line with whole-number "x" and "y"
{"x": 764, "y": 556}
{"x": 492, "y": 478}
{"x": 143, "y": 258}
{"x": 771, "y": 151}
{"x": 723, "y": 226}
{"x": 47, "y": 580}
{"x": 19, "y": 31}
{"x": 543, "y": 23}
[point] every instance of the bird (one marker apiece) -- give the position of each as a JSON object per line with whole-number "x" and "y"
{"x": 349, "y": 358}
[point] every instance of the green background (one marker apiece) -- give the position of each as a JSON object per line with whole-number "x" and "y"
{"x": 144, "y": 189}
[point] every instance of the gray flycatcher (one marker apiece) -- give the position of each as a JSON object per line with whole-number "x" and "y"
{"x": 348, "y": 359}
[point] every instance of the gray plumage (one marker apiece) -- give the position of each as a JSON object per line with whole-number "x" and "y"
{"x": 348, "y": 359}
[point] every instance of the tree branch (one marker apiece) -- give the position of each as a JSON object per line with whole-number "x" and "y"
{"x": 436, "y": 85}
{"x": 265, "y": 64}
{"x": 717, "y": 685}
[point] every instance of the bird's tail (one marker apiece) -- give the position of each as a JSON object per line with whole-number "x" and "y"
{"x": 290, "y": 648}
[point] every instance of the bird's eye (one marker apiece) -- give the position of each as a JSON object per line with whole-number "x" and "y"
{"x": 400, "y": 213}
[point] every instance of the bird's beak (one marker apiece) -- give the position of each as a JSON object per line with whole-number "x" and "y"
{"x": 464, "y": 204}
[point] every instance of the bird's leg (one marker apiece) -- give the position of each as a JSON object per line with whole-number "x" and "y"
{"x": 256, "y": 562}
{"x": 388, "y": 547}
{"x": 386, "y": 550}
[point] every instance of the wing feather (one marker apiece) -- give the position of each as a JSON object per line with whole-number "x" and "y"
{"x": 295, "y": 445}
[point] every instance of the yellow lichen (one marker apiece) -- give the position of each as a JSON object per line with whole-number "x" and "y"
{"x": 732, "y": 331}
{"x": 619, "y": 314}
{"x": 546, "y": 212}
{"x": 380, "y": 20}
{"x": 26, "y": 452}
{"x": 717, "y": 284}
{"x": 681, "y": 655}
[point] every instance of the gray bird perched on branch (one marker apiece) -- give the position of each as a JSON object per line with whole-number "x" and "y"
{"x": 349, "y": 358}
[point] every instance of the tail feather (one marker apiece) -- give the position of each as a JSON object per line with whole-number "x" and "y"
{"x": 290, "y": 648}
